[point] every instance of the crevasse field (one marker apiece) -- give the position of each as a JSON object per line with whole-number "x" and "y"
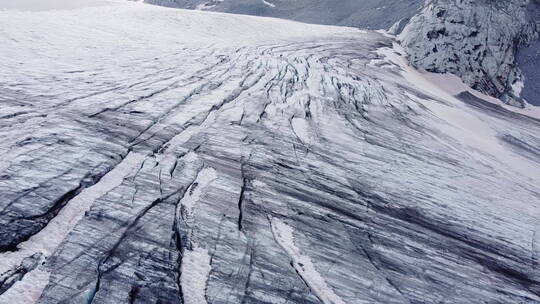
{"x": 155, "y": 155}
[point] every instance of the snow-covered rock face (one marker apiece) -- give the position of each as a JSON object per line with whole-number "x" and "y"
{"x": 154, "y": 155}
{"x": 474, "y": 39}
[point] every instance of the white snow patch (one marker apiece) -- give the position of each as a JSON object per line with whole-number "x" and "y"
{"x": 193, "y": 194}
{"x": 195, "y": 270}
{"x": 259, "y": 184}
{"x": 302, "y": 130}
{"x": 284, "y": 235}
{"x": 268, "y": 3}
{"x": 29, "y": 289}
{"x": 194, "y": 109}
{"x": 517, "y": 87}
{"x": 447, "y": 85}
{"x": 46, "y": 5}
{"x": 463, "y": 125}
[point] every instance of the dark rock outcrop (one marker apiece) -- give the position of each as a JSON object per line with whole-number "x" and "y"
{"x": 476, "y": 40}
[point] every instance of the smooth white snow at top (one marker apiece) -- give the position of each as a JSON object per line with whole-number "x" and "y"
{"x": 45, "y": 5}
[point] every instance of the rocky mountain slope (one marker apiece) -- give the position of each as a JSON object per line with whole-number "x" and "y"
{"x": 476, "y": 40}
{"x": 155, "y": 155}
{"x": 528, "y": 60}
{"x": 370, "y": 14}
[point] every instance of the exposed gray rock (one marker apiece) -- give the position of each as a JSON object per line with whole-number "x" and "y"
{"x": 528, "y": 60}
{"x": 398, "y": 27}
{"x": 476, "y": 40}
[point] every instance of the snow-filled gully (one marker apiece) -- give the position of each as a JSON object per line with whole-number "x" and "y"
{"x": 284, "y": 235}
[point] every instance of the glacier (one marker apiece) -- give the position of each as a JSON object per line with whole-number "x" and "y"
{"x": 158, "y": 155}
{"x": 492, "y": 45}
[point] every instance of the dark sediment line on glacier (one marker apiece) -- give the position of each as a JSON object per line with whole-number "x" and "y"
{"x": 524, "y": 148}
{"x": 21, "y": 228}
{"x": 250, "y": 273}
{"x": 115, "y": 254}
{"x": 181, "y": 238}
{"x": 240, "y": 203}
{"x": 374, "y": 260}
{"x": 104, "y": 259}
{"x": 241, "y": 197}
{"x": 498, "y": 258}
{"x": 199, "y": 119}
{"x": 494, "y": 109}
{"x": 38, "y": 222}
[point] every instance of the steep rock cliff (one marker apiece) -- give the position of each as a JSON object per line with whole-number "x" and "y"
{"x": 476, "y": 40}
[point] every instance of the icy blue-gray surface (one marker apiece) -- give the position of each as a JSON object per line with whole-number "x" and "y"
{"x": 153, "y": 155}
{"x": 371, "y": 14}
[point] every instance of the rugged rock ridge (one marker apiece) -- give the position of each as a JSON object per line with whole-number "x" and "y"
{"x": 476, "y": 40}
